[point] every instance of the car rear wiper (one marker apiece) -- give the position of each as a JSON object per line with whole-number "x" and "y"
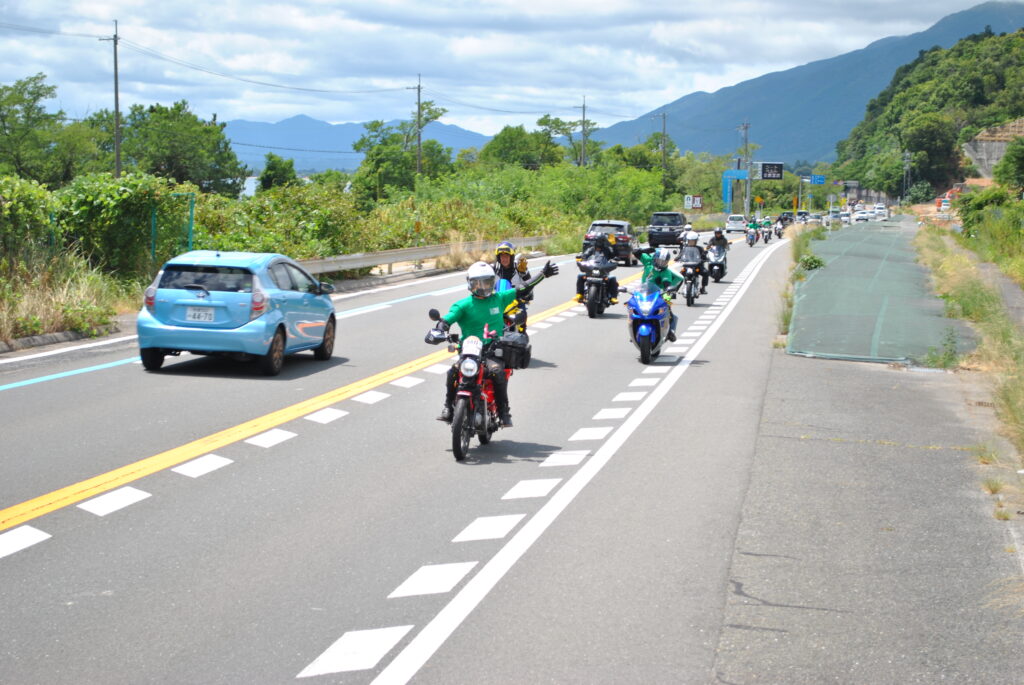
{"x": 197, "y": 286}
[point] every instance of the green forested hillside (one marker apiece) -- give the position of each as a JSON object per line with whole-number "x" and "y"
{"x": 933, "y": 104}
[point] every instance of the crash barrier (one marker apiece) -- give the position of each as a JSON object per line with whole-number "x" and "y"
{"x": 363, "y": 260}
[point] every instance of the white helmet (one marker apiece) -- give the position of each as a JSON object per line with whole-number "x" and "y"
{"x": 661, "y": 257}
{"x": 688, "y": 227}
{"x": 692, "y": 235}
{"x": 480, "y": 279}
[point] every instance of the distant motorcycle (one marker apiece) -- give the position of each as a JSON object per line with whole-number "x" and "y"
{"x": 766, "y": 234}
{"x": 598, "y": 294}
{"x": 716, "y": 263}
{"x": 690, "y": 286}
{"x": 751, "y": 237}
{"x": 650, "y": 320}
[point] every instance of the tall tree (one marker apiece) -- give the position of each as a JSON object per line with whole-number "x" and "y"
{"x": 1009, "y": 171}
{"x": 277, "y": 171}
{"x": 172, "y": 142}
{"x": 27, "y": 130}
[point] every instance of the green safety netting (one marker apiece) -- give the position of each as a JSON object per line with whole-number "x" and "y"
{"x": 872, "y": 301}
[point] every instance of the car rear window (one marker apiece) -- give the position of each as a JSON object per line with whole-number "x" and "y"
{"x": 666, "y": 220}
{"x": 229, "y": 279}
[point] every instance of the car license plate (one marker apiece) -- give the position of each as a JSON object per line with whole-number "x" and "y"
{"x": 199, "y": 314}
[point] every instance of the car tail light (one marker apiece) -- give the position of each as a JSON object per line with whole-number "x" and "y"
{"x": 149, "y": 299}
{"x": 259, "y": 301}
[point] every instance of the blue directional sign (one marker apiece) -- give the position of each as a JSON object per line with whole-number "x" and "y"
{"x": 817, "y": 180}
{"x": 728, "y": 176}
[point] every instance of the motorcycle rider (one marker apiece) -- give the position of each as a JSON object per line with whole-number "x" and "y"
{"x": 692, "y": 253}
{"x": 602, "y": 246}
{"x": 483, "y": 309}
{"x": 719, "y": 239}
{"x": 515, "y": 270}
{"x": 656, "y": 271}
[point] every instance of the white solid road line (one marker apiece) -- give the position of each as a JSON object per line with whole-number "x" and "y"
{"x": 65, "y": 350}
{"x": 408, "y": 662}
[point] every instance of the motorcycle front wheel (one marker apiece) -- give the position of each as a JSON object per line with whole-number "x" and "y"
{"x": 484, "y": 433}
{"x": 462, "y": 429}
{"x": 645, "y": 350}
{"x": 690, "y": 297}
{"x": 592, "y": 302}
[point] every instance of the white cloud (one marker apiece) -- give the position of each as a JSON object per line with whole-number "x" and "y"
{"x": 475, "y": 56}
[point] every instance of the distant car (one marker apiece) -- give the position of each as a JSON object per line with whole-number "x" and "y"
{"x": 861, "y": 216}
{"x": 240, "y": 304}
{"x": 786, "y": 217}
{"x": 844, "y": 217}
{"x": 814, "y": 219}
{"x": 736, "y": 222}
{"x": 622, "y": 231}
{"x": 666, "y": 228}
{"x": 802, "y": 215}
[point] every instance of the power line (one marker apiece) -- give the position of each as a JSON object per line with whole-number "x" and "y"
{"x": 49, "y": 32}
{"x": 298, "y": 149}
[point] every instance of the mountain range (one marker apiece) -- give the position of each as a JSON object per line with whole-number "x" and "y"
{"x": 796, "y": 114}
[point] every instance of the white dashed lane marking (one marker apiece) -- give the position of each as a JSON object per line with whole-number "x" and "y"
{"x": 555, "y": 319}
{"x": 629, "y": 397}
{"x": 202, "y": 465}
{"x": 540, "y": 325}
{"x": 114, "y": 500}
{"x": 643, "y": 382}
{"x": 356, "y": 650}
{"x": 274, "y": 436}
{"x": 438, "y": 368}
{"x": 433, "y": 579}
{"x": 489, "y": 528}
{"x": 568, "y": 313}
{"x": 595, "y": 433}
{"x": 20, "y": 538}
{"x": 566, "y": 458}
{"x": 678, "y": 349}
{"x": 371, "y": 397}
{"x": 326, "y": 415}
{"x": 615, "y": 413}
{"x": 664, "y": 368}
{"x": 537, "y": 487}
{"x": 407, "y": 381}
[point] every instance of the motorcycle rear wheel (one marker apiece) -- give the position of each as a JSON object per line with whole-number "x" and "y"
{"x": 462, "y": 429}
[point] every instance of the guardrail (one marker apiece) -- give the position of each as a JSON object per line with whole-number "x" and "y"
{"x": 363, "y": 260}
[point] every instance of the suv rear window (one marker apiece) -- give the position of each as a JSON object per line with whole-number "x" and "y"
{"x": 666, "y": 220}
{"x": 228, "y": 279}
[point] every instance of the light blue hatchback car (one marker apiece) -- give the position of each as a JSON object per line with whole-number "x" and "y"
{"x": 241, "y": 304}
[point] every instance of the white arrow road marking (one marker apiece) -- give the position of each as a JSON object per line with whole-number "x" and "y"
{"x": 356, "y": 650}
{"x": 433, "y": 579}
{"x": 20, "y": 538}
{"x": 114, "y": 500}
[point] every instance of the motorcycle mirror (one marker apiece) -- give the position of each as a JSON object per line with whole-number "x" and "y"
{"x": 434, "y": 315}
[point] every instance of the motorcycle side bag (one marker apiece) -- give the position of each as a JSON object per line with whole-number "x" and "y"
{"x": 514, "y": 350}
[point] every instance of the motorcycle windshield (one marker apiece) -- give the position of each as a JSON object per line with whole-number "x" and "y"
{"x": 598, "y": 263}
{"x": 503, "y": 284}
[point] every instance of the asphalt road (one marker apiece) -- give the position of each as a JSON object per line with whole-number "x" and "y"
{"x": 319, "y": 528}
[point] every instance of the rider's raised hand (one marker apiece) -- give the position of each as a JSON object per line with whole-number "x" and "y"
{"x": 549, "y": 270}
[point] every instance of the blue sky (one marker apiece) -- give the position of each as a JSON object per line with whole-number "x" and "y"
{"x": 489, "y": 62}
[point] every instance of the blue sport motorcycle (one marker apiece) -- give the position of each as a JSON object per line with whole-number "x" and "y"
{"x": 650, "y": 320}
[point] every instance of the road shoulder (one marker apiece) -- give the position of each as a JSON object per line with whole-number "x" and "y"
{"x": 867, "y": 550}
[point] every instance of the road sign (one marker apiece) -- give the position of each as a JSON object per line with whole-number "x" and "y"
{"x": 759, "y": 200}
{"x": 698, "y": 202}
{"x": 817, "y": 180}
{"x": 771, "y": 171}
{"x": 688, "y": 202}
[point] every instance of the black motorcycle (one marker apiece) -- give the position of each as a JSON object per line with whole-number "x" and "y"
{"x": 596, "y": 288}
{"x": 691, "y": 285}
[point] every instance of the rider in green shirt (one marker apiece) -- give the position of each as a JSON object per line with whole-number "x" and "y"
{"x": 656, "y": 271}
{"x": 481, "y": 314}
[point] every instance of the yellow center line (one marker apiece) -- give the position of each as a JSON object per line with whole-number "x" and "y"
{"x": 66, "y": 496}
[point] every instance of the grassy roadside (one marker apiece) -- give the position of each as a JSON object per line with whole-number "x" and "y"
{"x": 44, "y": 293}
{"x": 1000, "y": 351}
{"x": 804, "y": 260}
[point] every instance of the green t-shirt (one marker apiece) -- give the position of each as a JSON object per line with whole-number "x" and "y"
{"x": 666, "y": 278}
{"x": 472, "y": 313}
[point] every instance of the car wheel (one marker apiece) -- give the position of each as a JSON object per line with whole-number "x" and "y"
{"x": 273, "y": 360}
{"x": 152, "y": 358}
{"x": 326, "y": 348}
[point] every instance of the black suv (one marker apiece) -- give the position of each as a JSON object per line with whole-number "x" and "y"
{"x": 666, "y": 228}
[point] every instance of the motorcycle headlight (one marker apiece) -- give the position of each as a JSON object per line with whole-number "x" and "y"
{"x": 645, "y": 308}
{"x": 469, "y": 367}
{"x": 595, "y": 272}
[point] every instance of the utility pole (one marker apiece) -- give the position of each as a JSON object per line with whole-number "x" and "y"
{"x": 583, "y": 127}
{"x": 745, "y": 127}
{"x": 664, "y": 142}
{"x": 117, "y": 109}
{"x": 419, "y": 126}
